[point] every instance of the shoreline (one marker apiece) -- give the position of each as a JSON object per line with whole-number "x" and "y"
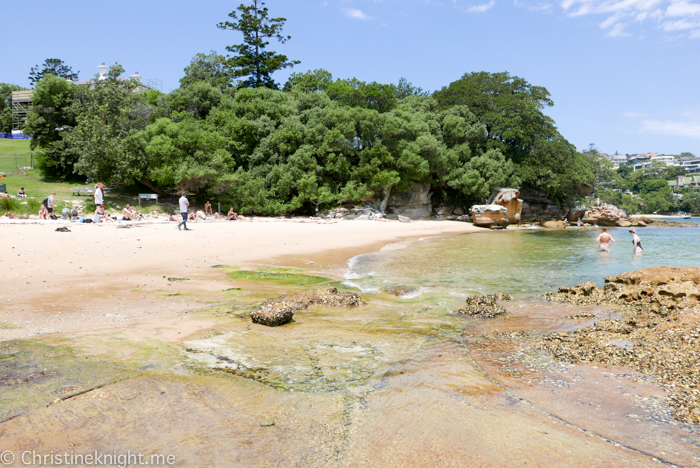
{"x": 101, "y": 277}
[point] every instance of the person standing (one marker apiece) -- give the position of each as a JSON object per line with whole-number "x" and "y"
{"x": 636, "y": 242}
{"x": 99, "y": 195}
{"x": 604, "y": 240}
{"x": 50, "y": 204}
{"x": 184, "y": 203}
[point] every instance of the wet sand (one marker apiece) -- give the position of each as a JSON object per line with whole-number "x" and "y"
{"x": 123, "y": 359}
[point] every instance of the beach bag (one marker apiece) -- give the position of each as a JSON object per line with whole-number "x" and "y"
{"x": 87, "y": 220}
{"x": 53, "y": 216}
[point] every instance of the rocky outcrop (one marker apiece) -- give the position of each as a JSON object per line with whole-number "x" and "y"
{"x": 413, "y": 203}
{"x": 491, "y": 216}
{"x": 508, "y": 198}
{"x": 576, "y": 212}
{"x": 657, "y": 331}
{"x": 485, "y": 306}
{"x": 276, "y": 312}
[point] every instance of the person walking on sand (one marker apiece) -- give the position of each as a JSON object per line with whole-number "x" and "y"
{"x": 604, "y": 240}
{"x": 184, "y": 203}
{"x": 636, "y": 242}
{"x": 50, "y": 204}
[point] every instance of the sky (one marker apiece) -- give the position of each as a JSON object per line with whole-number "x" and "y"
{"x": 623, "y": 74}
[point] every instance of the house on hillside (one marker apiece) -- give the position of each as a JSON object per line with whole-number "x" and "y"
{"x": 687, "y": 181}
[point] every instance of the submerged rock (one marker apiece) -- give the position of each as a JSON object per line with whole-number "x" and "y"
{"x": 276, "y": 312}
{"x": 485, "y": 306}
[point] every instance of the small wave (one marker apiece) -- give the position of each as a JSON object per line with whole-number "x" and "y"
{"x": 364, "y": 289}
{"x": 413, "y": 294}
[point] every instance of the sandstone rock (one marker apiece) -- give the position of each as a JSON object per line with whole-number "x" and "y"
{"x": 623, "y": 223}
{"x": 404, "y": 219}
{"x": 575, "y": 212}
{"x": 493, "y": 216}
{"x": 413, "y": 203}
{"x": 554, "y": 225}
{"x": 508, "y": 198}
{"x": 465, "y": 218}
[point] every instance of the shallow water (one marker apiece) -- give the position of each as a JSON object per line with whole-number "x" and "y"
{"x": 520, "y": 262}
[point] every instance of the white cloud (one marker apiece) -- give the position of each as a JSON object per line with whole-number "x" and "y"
{"x": 689, "y": 129}
{"x": 481, "y": 8}
{"x": 356, "y": 14}
{"x": 680, "y": 16}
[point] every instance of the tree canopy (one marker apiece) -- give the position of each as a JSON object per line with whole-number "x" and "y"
{"x": 251, "y": 60}
{"x": 52, "y": 66}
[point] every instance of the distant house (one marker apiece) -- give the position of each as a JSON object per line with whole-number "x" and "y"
{"x": 687, "y": 181}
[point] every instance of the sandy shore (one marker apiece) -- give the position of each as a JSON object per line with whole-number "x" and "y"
{"x": 104, "y": 276}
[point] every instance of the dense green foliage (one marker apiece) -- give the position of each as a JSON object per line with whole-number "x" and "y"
{"x": 322, "y": 141}
{"x": 251, "y": 60}
{"x": 52, "y": 66}
{"x": 510, "y": 109}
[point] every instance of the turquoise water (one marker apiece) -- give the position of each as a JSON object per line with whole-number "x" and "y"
{"x": 520, "y": 262}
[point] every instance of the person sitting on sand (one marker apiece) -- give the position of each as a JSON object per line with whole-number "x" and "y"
{"x": 636, "y": 242}
{"x": 74, "y": 213}
{"x": 65, "y": 213}
{"x": 101, "y": 216}
{"x": 604, "y": 240}
{"x": 207, "y": 209}
{"x": 43, "y": 212}
{"x": 231, "y": 216}
{"x": 21, "y": 193}
{"x": 129, "y": 214}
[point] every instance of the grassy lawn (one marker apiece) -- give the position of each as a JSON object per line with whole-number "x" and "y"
{"x": 39, "y": 187}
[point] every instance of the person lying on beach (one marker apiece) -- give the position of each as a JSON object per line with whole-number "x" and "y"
{"x": 207, "y": 209}
{"x": 192, "y": 217}
{"x": 174, "y": 217}
{"x": 21, "y": 193}
{"x": 604, "y": 240}
{"x": 636, "y": 242}
{"x": 201, "y": 215}
{"x": 4, "y": 195}
{"x": 9, "y": 215}
{"x": 43, "y": 212}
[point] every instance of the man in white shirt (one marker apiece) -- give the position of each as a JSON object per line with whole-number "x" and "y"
{"x": 184, "y": 203}
{"x": 99, "y": 195}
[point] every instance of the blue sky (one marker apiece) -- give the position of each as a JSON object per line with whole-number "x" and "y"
{"x": 623, "y": 74}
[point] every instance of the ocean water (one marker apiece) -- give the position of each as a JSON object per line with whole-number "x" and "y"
{"x": 520, "y": 262}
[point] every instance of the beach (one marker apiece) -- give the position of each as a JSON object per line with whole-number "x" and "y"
{"x": 75, "y": 281}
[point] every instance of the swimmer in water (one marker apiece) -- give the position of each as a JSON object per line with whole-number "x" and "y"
{"x": 604, "y": 240}
{"x": 636, "y": 242}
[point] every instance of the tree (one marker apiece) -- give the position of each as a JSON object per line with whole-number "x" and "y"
{"x": 6, "y": 106}
{"x": 251, "y": 60}
{"x": 405, "y": 88}
{"x": 210, "y": 68}
{"x": 687, "y": 154}
{"x": 52, "y": 66}
{"x": 50, "y": 117}
{"x": 309, "y": 82}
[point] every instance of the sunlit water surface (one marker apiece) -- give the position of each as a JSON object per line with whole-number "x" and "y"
{"x": 521, "y": 262}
